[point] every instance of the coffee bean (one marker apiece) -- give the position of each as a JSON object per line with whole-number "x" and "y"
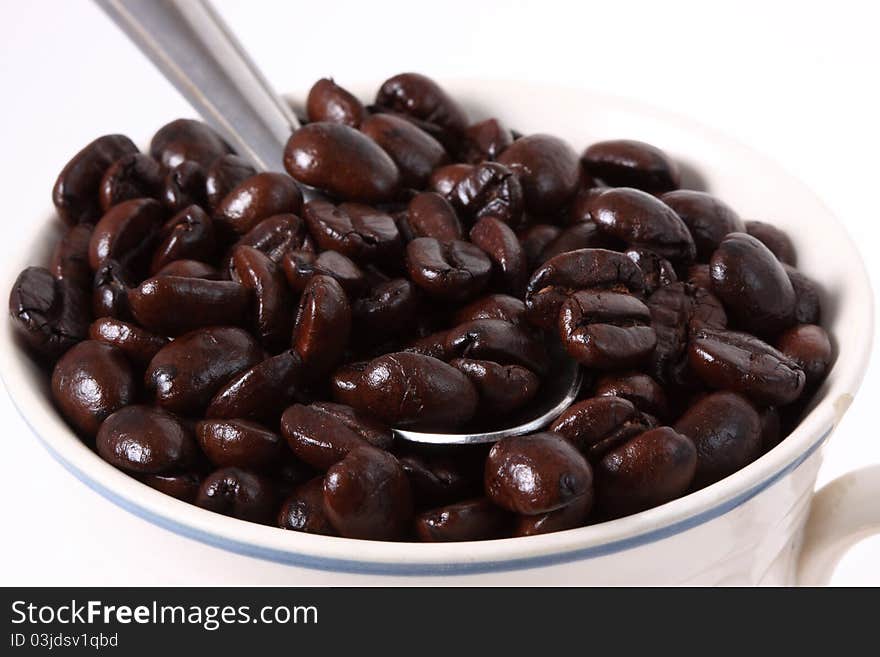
{"x": 629, "y": 163}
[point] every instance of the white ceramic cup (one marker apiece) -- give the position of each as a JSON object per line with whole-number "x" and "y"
{"x": 761, "y": 525}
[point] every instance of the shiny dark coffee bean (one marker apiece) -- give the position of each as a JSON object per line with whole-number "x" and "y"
{"x": 110, "y": 291}
{"x": 303, "y": 510}
{"x": 421, "y": 98}
{"x": 138, "y": 345}
{"x": 76, "y": 191}
{"x": 599, "y": 424}
{"x": 171, "y": 305}
{"x": 260, "y": 392}
{"x": 579, "y": 211}
{"x": 317, "y": 437}
{"x": 185, "y": 374}
{"x": 389, "y": 309}
{"x": 272, "y": 316}
{"x": 433, "y": 345}
{"x": 148, "y": 440}
{"x": 240, "y": 494}
{"x": 726, "y": 430}
{"x": 629, "y": 163}
{"x": 277, "y": 235}
{"x": 658, "y": 271}
{"x": 489, "y": 190}
{"x": 70, "y": 258}
{"x": 132, "y": 176}
{"x": 494, "y": 306}
{"x": 774, "y": 239}
{"x": 536, "y": 474}
{"x": 454, "y": 270}
{"x": 430, "y": 215}
{"x": 367, "y": 495}
{"x": 497, "y": 240}
{"x": 548, "y": 170}
{"x": 329, "y": 102}
{"x": 188, "y": 235}
{"x": 358, "y": 231}
{"x": 740, "y": 362}
{"x": 753, "y": 285}
{"x": 709, "y": 219}
{"x": 127, "y": 233}
{"x": 374, "y": 432}
{"x": 486, "y": 140}
{"x": 502, "y": 388}
{"x": 224, "y": 175}
{"x": 606, "y": 330}
{"x": 583, "y": 235}
{"x": 182, "y": 486}
{"x": 437, "y": 478}
{"x": 584, "y": 269}
{"x": 300, "y": 266}
{"x": 256, "y": 198}
{"x": 644, "y": 392}
{"x": 342, "y": 162}
{"x": 322, "y": 326}
{"x": 568, "y": 517}
{"x": 535, "y": 239}
{"x": 91, "y": 381}
{"x": 641, "y": 220}
{"x": 186, "y": 139}
{"x": 499, "y": 341}
{"x": 646, "y": 471}
{"x": 184, "y": 185}
{"x": 810, "y": 347}
{"x": 472, "y": 520}
{"x": 416, "y": 391}
{"x": 444, "y": 179}
{"x": 190, "y": 269}
{"x": 807, "y": 307}
{"x": 415, "y": 152}
{"x": 345, "y": 382}
{"x": 239, "y": 443}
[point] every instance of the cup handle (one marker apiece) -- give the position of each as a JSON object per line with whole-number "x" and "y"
{"x": 844, "y": 512}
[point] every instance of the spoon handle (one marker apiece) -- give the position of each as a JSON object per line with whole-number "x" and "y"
{"x": 195, "y": 50}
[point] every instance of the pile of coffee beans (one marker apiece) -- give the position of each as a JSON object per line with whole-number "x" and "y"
{"x": 223, "y": 341}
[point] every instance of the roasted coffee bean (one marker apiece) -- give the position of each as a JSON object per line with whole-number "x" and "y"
{"x": 444, "y": 179}
{"x": 726, "y": 430}
{"x": 606, "y": 330}
{"x": 437, "y": 478}
{"x": 568, "y": 517}
{"x": 548, "y": 170}
{"x": 430, "y": 215}
{"x": 641, "y": 220}
{"x": 486, "y": 140}
{"x": 421, "y": 98}
{"x": 322, "y": 326}
{"x": 499, "y": 341}
{"x": 807, "y": 307}
{"x": 358, "y": 231}
{"x": 184, "y": 185}
{"x": 91, "y": 381}
{"x": 658, "y": 271}
{"x": 186, "y": 373}
{"x": 303, "y": 510}
{"x": 224, "y": 175}
{"x": 182, "y": 486}
{"x": 345, "y": 381}
{"x": 190, "y": 269}
{"x": 49, "y": 314}
{"x": 579, "y": 211}
{"x": 709, "y": 219}
{"x": 494, "y": 306}
{"x": 629, "y": 163}
{"x": 300, "y": 266}
{"x": 127, "y": 233}
{"x": 497, "y": 240}
{"x": 727, "y": 360}
{"x": 583, "y": 235}
{"x": 489, "y": 190}
{"x": 239, "y": 443}
{"x": 810, "y": 347}
{"x": 76, "y": 191}
{"x": 342, "y": 162}
{"x": 584, "y": 269}
{"x": 367, "y": 495}
{"x": 644, "y": 392}
{"x": 110, "y": 291}
{"x": 138, "y": 345}
{"x": 329, "y": 102}
{"x": 172, "y": 305}
{"x": 70, "y": 258}
{"x": 453, "y": 271}
{"x": 535, "y": 239}
{"x": 256, "y": 198}
{"x": 188, "y": 235}
{"x": 147, "y": 440}
{"x": 536, "y": 474}
{"x": 186, "y": 139}
{"x": 646, "y": 471}
{"x": 753, "y": 285}
{"x": 273, "y": 319}
{"x": 415, "y": 391}
{"x": 277, "y": 235}
{"x": 599, "y": 424}
{"x": 433, "y": 344}
{"x": 700, "y": 276}
{"x": 415, "y": 152}
{"x": 132, "y": 176}
{"x": 473, "y": 520}
{"x": 238, "y": 493}
{"x": 389, "y": 309}
{"x": 260, "y": 392}
{"x": 502, "y": 388}
{"x": 374, "y": 432}
{"x": 775, "y": 239}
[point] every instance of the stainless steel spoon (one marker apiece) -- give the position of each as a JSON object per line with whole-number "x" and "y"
{"x": 192, "y": 46}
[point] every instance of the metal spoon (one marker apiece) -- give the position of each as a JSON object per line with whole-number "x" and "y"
{"x": 192, "y": 46}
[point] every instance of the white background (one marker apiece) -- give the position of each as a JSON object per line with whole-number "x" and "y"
{"x": 798, "y": 81}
